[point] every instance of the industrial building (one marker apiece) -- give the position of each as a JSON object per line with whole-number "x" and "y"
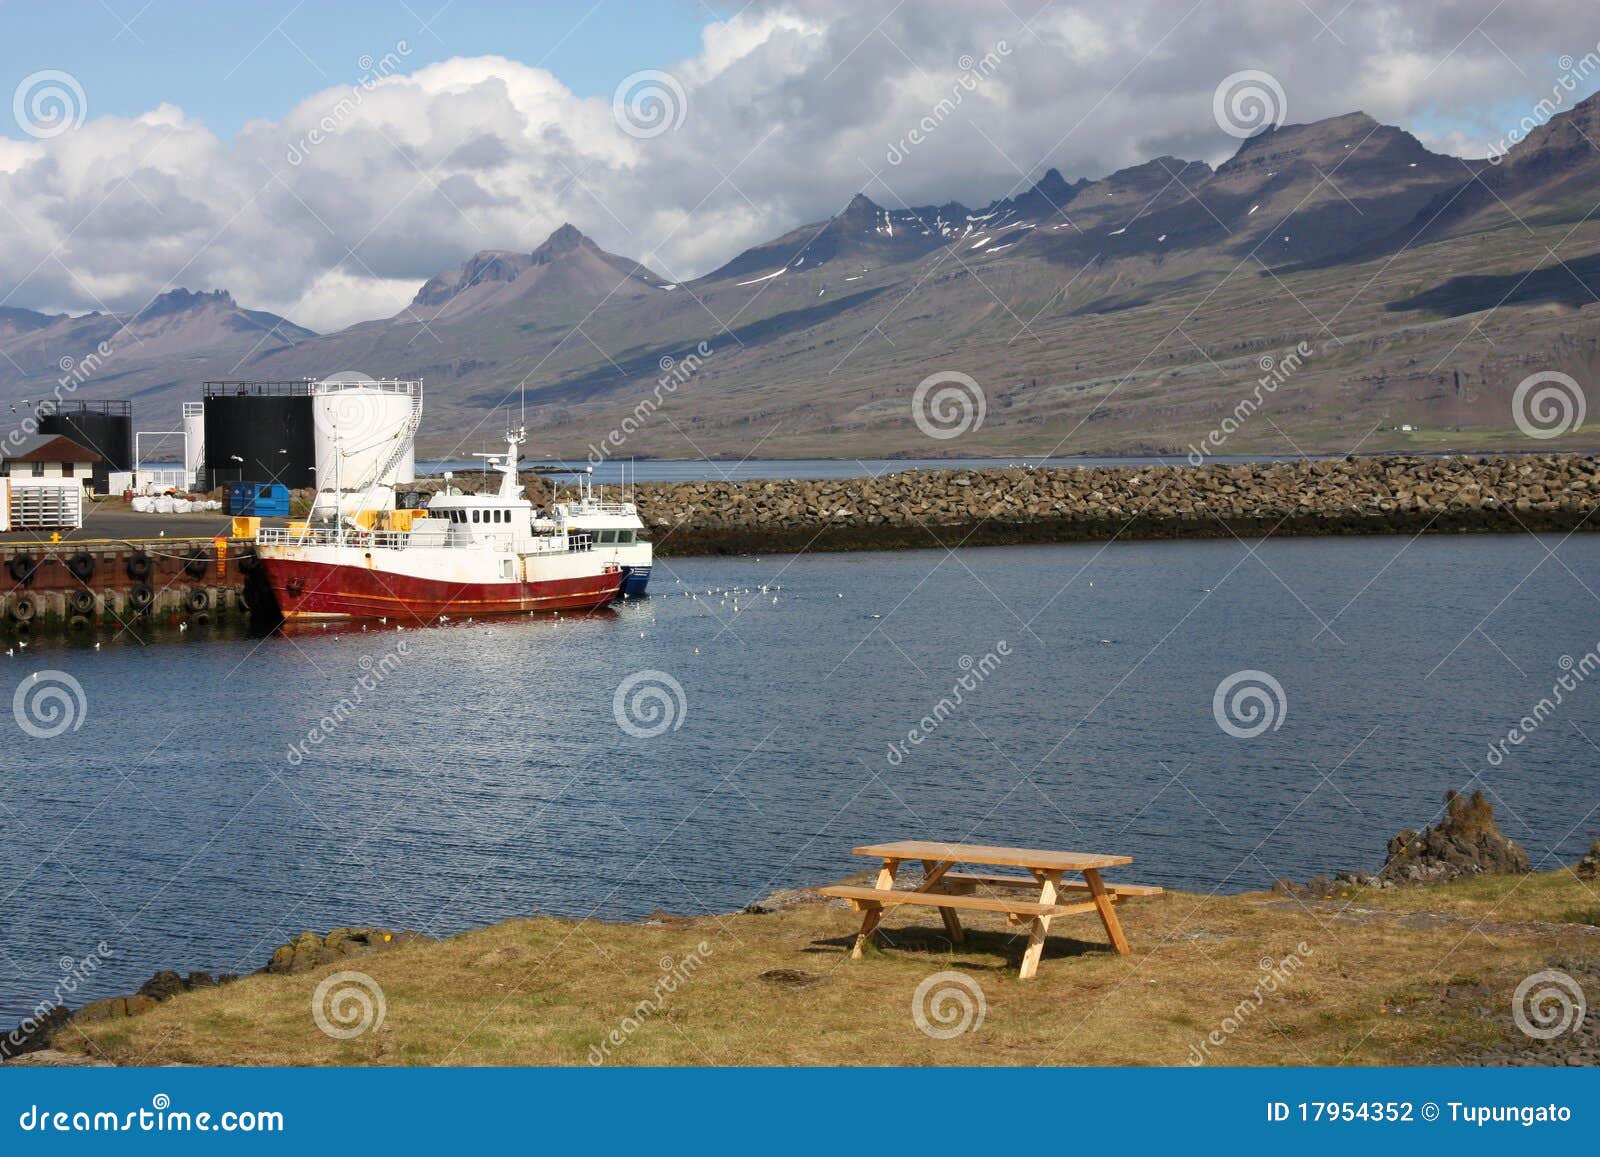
{"x": 106, "y": 427}
{"x": 350, "y": 432}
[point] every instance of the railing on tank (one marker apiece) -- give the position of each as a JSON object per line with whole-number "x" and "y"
{"x": 378, "y": 385}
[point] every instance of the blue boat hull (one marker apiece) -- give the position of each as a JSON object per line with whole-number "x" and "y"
{"x": 634, "y": 581}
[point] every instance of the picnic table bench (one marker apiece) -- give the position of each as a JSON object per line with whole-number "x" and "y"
{"x": 952, "y": 892}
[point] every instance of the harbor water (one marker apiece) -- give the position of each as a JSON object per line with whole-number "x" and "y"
{"x": 743, "y": 727}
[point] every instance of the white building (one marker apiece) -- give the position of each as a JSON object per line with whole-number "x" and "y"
{"x": 48, "y": 456}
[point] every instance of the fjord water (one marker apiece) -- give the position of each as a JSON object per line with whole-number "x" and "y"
{"x": 481, "y": 772}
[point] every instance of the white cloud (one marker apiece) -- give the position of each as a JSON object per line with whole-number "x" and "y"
{"x": 340, "y": 209}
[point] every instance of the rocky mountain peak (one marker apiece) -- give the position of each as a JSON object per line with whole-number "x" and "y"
{"x": 178, "y": 301}
{"x": 566, "y": 239}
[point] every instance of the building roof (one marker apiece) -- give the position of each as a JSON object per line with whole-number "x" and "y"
{"x": 48, "y": 448}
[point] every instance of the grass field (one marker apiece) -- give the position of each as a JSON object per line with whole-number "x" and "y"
{"x": 1412, "y": 976}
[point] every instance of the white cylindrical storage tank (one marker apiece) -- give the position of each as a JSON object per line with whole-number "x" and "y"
{"x": 194, "y": 443}
{"x": 364, "y": 431}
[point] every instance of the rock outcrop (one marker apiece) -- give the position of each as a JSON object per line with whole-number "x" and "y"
{"x": 309, "y": 950}
{"x": 1465, "y": 842}
{"x": 1588, "y": 868}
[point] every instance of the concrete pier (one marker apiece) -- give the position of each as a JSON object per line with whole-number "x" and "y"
{"x": 89, "y": 586}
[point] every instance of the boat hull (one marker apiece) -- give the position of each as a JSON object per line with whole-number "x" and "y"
{"x": 634, "y": 581}
{"x": 314, "y": 589}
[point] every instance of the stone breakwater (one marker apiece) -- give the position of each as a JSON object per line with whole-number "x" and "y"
{"x": 934, "y": 508}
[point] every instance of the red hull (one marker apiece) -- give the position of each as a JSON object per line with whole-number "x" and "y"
{"x": 325, "y": 590}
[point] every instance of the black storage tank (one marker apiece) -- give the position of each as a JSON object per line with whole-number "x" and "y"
{"x": 259, "y": 432}
{"x": 104, "y": 427}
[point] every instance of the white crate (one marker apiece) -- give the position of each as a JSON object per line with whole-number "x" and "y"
{"x": 43, "y": 504}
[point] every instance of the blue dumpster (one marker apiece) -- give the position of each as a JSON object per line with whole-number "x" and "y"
{"x": 262, "y": 499}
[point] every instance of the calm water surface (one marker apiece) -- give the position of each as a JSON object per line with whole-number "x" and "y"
{"x": 485, "y": 774}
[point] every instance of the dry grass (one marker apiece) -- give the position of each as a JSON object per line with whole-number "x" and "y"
{"x": 1373, "y": 987}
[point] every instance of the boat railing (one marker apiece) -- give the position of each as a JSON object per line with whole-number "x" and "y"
{"x": 330, "y": 536}
{"x": 395, "y": 540}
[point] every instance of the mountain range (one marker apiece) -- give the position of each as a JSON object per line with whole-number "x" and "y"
{"x": 1127, "y": 313}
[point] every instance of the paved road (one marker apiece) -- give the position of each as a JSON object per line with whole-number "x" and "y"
{"x": 116, "y": 520}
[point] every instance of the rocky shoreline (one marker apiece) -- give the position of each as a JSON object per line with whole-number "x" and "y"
{"x": 305, "y": 952}
{"x": 945, "y": 508}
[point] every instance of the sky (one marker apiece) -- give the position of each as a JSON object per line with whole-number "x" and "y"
{"x": 322, "y": 160}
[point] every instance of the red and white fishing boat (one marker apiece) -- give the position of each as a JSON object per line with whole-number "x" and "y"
{"x": 472, "y": 554}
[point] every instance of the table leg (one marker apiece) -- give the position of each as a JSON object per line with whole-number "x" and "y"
{"x": 1040, "y": 926}
{"x": 874, "y": 914}
{"x": 932, "y": 872}
{"x": 1108, "y": 912}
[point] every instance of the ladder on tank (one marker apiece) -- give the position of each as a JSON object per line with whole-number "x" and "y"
{"x": 403, "y": 438}
{"x": 196, "y": 453}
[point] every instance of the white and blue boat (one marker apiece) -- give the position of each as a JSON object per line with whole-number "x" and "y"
{"x": 615, "y": 529}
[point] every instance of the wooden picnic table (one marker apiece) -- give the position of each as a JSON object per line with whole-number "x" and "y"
{"x": 952, "y": 892}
